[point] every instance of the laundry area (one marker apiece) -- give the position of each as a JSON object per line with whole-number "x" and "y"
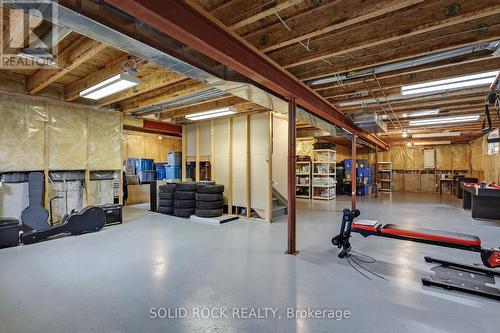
{"x": 250, "y": 166}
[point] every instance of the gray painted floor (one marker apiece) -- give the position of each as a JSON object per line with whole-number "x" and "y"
{"x": 108, "y": 281}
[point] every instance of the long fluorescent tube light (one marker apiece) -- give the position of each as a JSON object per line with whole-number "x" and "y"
{"x": 435, "y": 135}
{"x": 428, "y": 143}
{"x": 110, "y": 86}
{"x": 444, "y": 120}
{"x": 210, "y": 114}
{"x": 450, "y": 84}
{"x": 420, "y": 113}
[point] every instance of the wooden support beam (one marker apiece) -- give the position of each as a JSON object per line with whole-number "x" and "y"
{"x": 148, "y": 83}
{"x": 248, "y": 193}
{"x": 162, "y": 95}
{"x": 270, "y": 168}
{"x": 197, "y": 153}
{"x": 353, "y": 173}
{"x": 392, "y": 28}
{"x": 70, "y": 58}
{"x": 184, "y": 153}
{"x": 319, "y": 21}
{"x": 229, "y": 187}
{"x": 71, "y": 92}
{"x": 213, "y": 175}
{"x": 292, "y": 139}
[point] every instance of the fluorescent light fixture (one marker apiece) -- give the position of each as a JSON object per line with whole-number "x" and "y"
{"x": 404, "y": 135}
{"x": 435, "y": 135}
{"x": 408, "y": 144}
{"x": 421, "y": 113}
{"x": 450, "y": 84}
{"x": 110, "y": 86}
{"x": 210, "y": 114}
{"x": 444, "y": 120}
{"x": 432, "y": 143}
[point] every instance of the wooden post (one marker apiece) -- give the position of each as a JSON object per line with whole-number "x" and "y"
{"x": 248, "y": 173}
{"x": 353, "y": 173}
{"x": 197, "y": 154}
{"x": 212, "y": 151}
{"x": 87, "y": 170}
{"x": 292, "y": 137}
{"x": 184, "y": 152}
{"x": 270, "y": 169}
{"x": 120, "y": 172}
{"x": 47, "y": 155}
{"x": 376, "y": 172}
{"x": 229, "y": 189}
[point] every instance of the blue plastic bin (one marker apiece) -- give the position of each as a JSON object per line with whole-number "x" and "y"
{"x": 173, "y": 172}
{"x": 144, "y": 164}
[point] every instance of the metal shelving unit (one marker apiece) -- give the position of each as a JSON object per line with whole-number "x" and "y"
{"x": 385, "y": 176}
{"x": 303, "y": 178}
{"x": 324, "y": 179}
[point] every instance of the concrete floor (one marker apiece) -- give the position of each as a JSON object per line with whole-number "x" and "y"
{"x": 108, "y": 281}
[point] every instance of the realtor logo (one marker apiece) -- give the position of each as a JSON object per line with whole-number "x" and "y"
{"x": 31, "y": 34}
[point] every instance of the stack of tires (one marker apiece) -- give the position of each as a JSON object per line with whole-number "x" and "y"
{"x": 209, "y": 201}
{"x": 185, "y": 199}
{"x": 167, "y": 196}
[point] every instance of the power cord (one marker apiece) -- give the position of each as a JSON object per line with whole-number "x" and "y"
{"x": 356, "y": 258}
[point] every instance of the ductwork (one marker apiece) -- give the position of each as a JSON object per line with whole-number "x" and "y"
{"x": 494, "y": 47}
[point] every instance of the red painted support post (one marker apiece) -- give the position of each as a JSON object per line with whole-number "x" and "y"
{"x": 292, "y": 134}
{"x": 353, "y": 174}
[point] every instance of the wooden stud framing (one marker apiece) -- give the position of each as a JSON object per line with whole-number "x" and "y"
{"x": 269, "y": 216}
{"x": 213, "y": 175}
{"x": 87, "y": 170}
{"x": 197, "y": 153}
{"x": 184, "y": 152}
{"x": 229, "y": 190}
{"x": 48, "y": 141}
{"x": 248, "y": 170}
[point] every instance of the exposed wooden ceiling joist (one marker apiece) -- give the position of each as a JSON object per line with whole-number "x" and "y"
{"x": 200, "y": 107}
{"x": 68, "y": 59}
{"x": 322, "y": 20}
{"x": 162, "y": 95}
{"x": 400, "y": 25}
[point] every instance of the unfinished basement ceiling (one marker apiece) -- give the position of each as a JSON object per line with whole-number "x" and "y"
{"x": 363, "y": 51}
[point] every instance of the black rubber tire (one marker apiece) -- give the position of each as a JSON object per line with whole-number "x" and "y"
{"x": 209, "y": 197}
{"x": 166, "y": 203}
{"x": 167, "y": 196}
{"x": 166, "y": 210}
{"x": 184, "y": 212}
{"x": 211, "y": 189}
{"x": 209, "y": 204}
{"x": 206, "y": 183}
{"x": 209, "y": 212}
{"x": 168, "y": 188}
{"x": 184, "y": 203}
{"x": 191, "y": 187}
{"x": 185, "y": 195}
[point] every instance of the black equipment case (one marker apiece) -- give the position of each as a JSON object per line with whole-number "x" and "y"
{"x": 9, "y": 231}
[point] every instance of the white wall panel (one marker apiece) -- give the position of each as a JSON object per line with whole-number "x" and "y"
{"x": 205, "y": 139}
{"x": 280, "y": 154}
{"x": 191, "y": 140}
{"x": 259, "y": 161}
{"x": 221, "y": 153}
{"x": 239, "y": 161}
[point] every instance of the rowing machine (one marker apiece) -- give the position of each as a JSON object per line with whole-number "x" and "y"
{"x": 489, "y": 257}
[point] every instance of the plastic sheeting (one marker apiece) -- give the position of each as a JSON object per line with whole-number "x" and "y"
{"x": 79, "y": 137}
{"x": 460, "y": 157}
{"x": 22, "y": 135}
{"x": 485, "y": 167}
{"x": 305, "y": 147}
{"x": 444, "y": 158}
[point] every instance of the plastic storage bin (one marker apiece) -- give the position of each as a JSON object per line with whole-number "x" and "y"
{"x": 173, "y": 172}
{"x": 143, "y": 164}
{"x": 146, "y": 176}
{"x": 174, "y": 158}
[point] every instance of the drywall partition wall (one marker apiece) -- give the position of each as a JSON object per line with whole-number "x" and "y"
{"x": 280, "y": 155}
{"x": 146, "y": 145}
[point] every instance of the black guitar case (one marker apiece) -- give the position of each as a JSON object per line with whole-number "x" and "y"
{"x": 89, "y": 219}
{"x": 35, "y": 215}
